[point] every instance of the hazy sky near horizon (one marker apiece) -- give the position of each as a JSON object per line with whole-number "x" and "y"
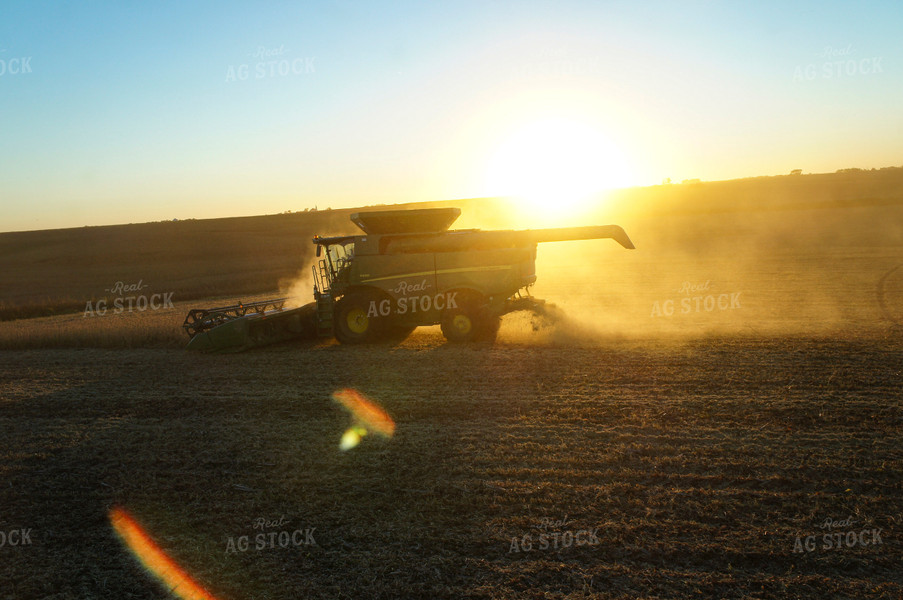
{"x": 118, "y": 112}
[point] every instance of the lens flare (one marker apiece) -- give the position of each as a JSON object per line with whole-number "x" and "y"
{"x": 367, "y": 415}
{"x": 154, "y": 559}
{"x": 352, "y": 438}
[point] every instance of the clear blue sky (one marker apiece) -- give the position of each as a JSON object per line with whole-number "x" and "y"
{"x": 142, "y": 111}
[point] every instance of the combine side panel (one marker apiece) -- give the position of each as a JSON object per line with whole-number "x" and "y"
{"x": 397, "y": 274}
{"x": 490, "y": 272}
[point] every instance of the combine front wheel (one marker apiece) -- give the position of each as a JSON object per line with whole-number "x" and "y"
{"x": 353, "y": 323}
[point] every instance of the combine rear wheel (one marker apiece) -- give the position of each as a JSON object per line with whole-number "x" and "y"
{"x": 355, "y": 322}
{"x": 469, "y": 322}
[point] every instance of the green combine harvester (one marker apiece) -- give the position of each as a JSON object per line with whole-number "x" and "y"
{"x": 407, "y": 269}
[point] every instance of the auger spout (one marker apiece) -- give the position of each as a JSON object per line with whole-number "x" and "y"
{"x": 476, "y": 240}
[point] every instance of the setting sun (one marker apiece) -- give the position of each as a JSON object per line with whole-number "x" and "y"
{"x": 556, "y": 166}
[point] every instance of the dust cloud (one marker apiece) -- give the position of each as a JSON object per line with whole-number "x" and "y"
{"x": 732, "y": 267}
{"x": 298, "y": 290}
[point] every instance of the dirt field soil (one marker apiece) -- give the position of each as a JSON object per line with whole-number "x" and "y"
{"x": 717, "y": 468}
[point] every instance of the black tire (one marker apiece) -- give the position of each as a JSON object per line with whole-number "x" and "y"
{"x": 470, "y": 321}
{"x": 351, "y": 323}
{"x": 489, "y": 329}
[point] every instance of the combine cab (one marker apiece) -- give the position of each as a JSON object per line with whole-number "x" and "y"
{"x": 407, "y": 270}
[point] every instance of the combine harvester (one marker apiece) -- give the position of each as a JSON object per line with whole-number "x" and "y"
{"x": 407, "y": 270}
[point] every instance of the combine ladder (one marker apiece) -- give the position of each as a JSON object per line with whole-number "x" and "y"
{"x": 325, "y": 301}
{"x": 325, "y": 305}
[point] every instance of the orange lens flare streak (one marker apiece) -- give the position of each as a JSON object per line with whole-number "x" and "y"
{"x": 368, "y": 415}
{"x": 154, "y": 559}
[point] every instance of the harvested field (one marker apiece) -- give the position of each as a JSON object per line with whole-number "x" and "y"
{"x": 697, "y": 467}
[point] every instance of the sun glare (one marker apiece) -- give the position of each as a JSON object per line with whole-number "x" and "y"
{"x": 556, "y": 167}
